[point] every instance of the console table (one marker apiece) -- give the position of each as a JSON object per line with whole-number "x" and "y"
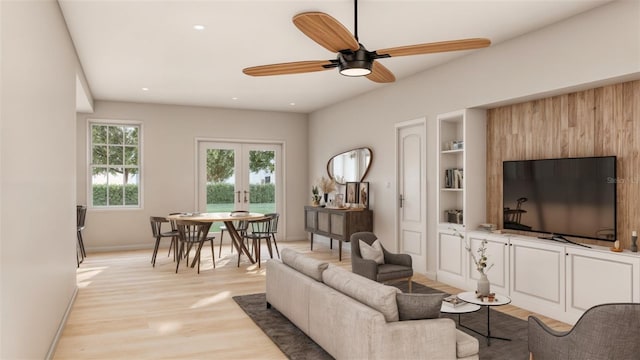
{"x": 336, "y": 224}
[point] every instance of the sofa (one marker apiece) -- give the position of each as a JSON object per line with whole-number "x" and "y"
{"x": 352, "y": 317}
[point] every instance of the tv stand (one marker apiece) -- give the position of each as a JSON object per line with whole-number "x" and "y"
{"x": 560, "y": 238}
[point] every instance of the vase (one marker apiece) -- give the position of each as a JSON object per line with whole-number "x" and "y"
{"x": 326, "y": 198}
{"x": 484, "y": 287}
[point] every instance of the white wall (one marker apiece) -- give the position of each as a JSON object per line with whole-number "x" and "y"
{"x": 169, "y": 134}
{"x": 599, "y": 45}
{"x": 37, "y": 152}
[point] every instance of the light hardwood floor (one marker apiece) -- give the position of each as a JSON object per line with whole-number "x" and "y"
{"x": 125, "y": 308}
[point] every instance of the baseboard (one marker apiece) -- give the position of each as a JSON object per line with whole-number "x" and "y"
{"x": 63, "y": 323}
{"x": 121, "y": 248}
{"x": 431, "y": 275}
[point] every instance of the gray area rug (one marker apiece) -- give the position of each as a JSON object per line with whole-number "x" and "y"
{"x": 296, "y": 345}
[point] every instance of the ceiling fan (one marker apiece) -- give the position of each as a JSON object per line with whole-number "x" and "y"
{"x": 353, "y": 59}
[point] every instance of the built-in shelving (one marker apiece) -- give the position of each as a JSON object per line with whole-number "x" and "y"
{"x": 461, "y": 166}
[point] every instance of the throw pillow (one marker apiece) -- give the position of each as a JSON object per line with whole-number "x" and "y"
{"x": 419, "y": 306}
{"x": 372, "y": 252}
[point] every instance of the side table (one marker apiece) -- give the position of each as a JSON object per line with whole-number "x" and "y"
{"x": 460, "y": 309}
{"x": 499, "y": 300}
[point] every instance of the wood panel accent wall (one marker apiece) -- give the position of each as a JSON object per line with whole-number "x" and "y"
{"x": 596, "y": 122}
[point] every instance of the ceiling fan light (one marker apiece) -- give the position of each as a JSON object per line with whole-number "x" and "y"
{"x": 355, "y": 68}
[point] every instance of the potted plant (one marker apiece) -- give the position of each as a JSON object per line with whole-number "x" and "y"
{"x": 315, "y": 196}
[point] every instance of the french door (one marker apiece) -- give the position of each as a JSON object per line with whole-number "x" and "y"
{"x": 239, "y": 176}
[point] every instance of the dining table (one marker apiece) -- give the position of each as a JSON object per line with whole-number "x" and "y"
{"x": 228, "y": 219}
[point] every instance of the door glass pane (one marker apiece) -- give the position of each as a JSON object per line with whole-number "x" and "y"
{"x": 262, "y": 181}
{"x": 220, "y": 182}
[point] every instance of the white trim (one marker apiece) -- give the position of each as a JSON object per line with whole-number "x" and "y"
{"x": 121, "y": 247}
{"x": 89, "y": 194}
{"x": 63, "y": 323}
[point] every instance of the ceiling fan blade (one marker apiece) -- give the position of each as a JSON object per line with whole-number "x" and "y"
{"x": 380, "y": 74}
{"x": 290, "y": 68}
{"x": 435, "y": 47}
{"x": 326, "y": 31}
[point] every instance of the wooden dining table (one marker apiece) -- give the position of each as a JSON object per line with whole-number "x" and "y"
{"x": 228, "y": 219}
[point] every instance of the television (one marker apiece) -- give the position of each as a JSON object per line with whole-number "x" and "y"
{"x": 564, "y": 197}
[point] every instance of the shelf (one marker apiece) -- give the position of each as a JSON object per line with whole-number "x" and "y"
{"x": 452, "y": 189}
{"x": 456, "y": 151}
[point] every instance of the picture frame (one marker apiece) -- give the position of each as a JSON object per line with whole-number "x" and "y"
{"x": 352, "y": 191}
{"x": 363, "y": 194}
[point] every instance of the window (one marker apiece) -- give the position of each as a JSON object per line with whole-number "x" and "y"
{"x": 115, "y": 165}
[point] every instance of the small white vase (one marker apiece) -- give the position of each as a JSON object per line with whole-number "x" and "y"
{"x": 484, "y": 286}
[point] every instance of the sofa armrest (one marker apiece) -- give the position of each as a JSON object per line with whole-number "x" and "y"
{"x": 416, "y": 339}
{"x": 366, "y": 268}
{"x": 546, "y": 343}
{"x": 397, "y": 259}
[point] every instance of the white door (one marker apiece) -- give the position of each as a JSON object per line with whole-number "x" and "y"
{"x": 239, "y": 176}
{"x": 411, "y": 196}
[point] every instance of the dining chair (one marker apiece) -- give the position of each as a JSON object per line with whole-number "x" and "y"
{"x": 156, "y": 229}
{"x": 260, "y": 230}
{"x": 191, "y": 233}
{"x": 81, "y": 214}
{"x": 241, "y": 228}
{"x": 273, "y": 229}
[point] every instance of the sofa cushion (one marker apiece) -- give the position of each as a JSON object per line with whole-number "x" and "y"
{"x": 306, "y": 265}
{"x": 466, "y": 345}
{"x": 419, "y": 306}
{"x": 372, "y": 252}
{"x": 375, "y": 295}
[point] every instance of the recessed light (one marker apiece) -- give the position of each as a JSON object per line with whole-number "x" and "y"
{"x": 292, "y": 104}
{"x": 198, "y": 27}
{"x": 234, "y": 98}
{"x": 145, "y": 89}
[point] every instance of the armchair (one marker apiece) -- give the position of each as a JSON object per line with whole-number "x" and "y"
{"x": 607, "y": 331}
{"x": 395, "y": 267}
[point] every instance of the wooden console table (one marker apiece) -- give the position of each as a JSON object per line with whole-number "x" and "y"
{"x": 336, "y": 223}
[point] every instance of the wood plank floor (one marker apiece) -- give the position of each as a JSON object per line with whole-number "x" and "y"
{"x": 125, "y": 308}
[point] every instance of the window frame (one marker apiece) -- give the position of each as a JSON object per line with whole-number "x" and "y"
{"x": 90, "y": 166}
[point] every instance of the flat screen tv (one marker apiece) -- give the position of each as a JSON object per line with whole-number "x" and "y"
{"x": 567, "y": 197}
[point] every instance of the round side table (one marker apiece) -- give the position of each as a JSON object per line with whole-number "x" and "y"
{"x": 499, "y": 300}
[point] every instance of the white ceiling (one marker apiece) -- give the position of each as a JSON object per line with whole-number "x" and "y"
{"x": 127, "y": 45}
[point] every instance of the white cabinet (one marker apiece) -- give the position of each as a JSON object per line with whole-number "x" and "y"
{"x": 597, "y": 277}
{"x": 537, "y": 273}
{"x": 498, "y": 256}
{"x": 550, "y": 278}
{"x": 461, "y": 166}
{"x": 451, "y": 258}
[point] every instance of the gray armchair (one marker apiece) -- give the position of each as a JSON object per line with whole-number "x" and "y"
{"x": 395, "y": 267}
{"x": 607, "y": 331}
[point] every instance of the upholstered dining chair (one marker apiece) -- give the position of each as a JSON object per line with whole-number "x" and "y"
{"x": 192, "y": 233}
{"x": 606, "y": 331}
{"x": 158, "y": 234}
{"x": 81, "y": 215}
{"x": 394, "y": 267}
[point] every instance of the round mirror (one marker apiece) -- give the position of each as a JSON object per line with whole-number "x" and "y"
{"x": 350, "y": 166}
